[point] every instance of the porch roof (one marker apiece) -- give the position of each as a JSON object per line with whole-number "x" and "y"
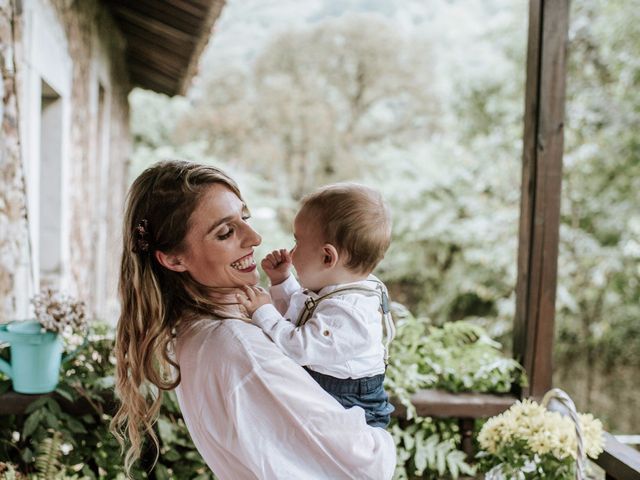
{"x": 164, "y": 39}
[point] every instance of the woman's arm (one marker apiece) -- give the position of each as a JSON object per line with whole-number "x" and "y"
{"x": 289, "y": 427}
{"x": 254, "y": 413}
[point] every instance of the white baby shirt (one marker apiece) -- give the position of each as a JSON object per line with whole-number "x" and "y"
{"x": 343, "y": 337}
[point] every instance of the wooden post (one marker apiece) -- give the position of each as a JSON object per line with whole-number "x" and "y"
{"x": 541, "y": 185}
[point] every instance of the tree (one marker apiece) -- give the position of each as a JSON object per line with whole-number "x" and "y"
{"x": 317, "y": 101}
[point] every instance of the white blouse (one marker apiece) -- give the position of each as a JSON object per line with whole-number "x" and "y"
{"x": 254, "y": 414}
{"x": 343, "y": 337}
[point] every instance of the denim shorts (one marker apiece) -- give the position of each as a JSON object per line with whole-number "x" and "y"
{"x": 366, "y": 393}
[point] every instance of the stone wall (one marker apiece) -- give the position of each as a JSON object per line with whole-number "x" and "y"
{"x": 13, "y": 214}
{"x": 94, "y": 44}
{"x": 83, "y": 20}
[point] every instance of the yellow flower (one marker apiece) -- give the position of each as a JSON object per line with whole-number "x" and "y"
{"x": 544, "y": 432}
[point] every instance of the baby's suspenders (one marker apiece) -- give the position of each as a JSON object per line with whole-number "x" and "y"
{"x": 380, "y": 290}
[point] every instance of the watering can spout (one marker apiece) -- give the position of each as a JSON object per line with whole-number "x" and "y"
{"x": 5, "y": 367}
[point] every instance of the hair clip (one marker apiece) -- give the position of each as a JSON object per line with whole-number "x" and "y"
{"x": 142, "y": 237}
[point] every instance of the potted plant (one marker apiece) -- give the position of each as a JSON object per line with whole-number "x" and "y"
{"x": 530, "y": 441}
{"x": 36, "y": 345}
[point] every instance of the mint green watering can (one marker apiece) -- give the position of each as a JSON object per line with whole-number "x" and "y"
{"x": 35, "y": 357}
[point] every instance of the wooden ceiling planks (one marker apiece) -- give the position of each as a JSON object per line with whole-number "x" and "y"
{"x": 164, "y": 39}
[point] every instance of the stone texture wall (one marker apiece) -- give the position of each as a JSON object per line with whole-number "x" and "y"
{"x": 13, "y": 214}
{"x": 81, "y": 21}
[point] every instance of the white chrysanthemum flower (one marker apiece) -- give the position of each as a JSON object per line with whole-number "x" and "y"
{"x": 542, "y": 431}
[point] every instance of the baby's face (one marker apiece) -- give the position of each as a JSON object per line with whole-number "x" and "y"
{"x": 308, "y": 255}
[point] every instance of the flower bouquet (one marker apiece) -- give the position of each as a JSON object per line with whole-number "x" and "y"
{"x": 529, "y": 441}
{"x": 60, "y": 313}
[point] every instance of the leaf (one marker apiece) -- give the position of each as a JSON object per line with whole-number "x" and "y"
{"x": 39, "y": 403}
{"x": 456, "y": 462}
{"x": 441, "y": 456}
{"x": 420, "y": 458}
{"x": 27, "y": 455}
{"x": 65, "y": 393}
{"x": 51, "y": 420}
{"x": 432, "y": 443}
{"x": 31, "y": 423}
{"x": 75, "y": 426}
{"x": 172, "y": 456}
{"x": 162, "y": 472}
{"x": 453, "y": 467}
{"x": 165, "y": 428}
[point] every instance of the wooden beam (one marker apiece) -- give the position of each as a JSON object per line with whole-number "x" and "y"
{"x": 168, "y": 63}
{"x": 621, "y": 462}
{"x": 541, "y": 185}
{"x": 146, "y": 77}
{"x": 443, "y": 404}
{"x": 129, "y": 15}
{"x": 12, "y": 403}
{"x": 206, "y": 32}
{"x": 185, "y": 16}
{"x": 135, "y": 33}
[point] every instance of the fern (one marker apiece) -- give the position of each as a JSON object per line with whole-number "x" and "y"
{"x": 421, "y": 452}
{"x": 48, "y": 456}
{"x": 457, "y": 356}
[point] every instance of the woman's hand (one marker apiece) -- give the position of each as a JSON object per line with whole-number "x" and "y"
{"x": 254, "y": 298}
{"x": 277, "y": 265}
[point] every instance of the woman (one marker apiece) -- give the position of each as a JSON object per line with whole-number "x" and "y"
{"x": 251, "y": 411}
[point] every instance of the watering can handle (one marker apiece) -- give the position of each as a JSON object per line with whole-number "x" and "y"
{"x": 5, "y": 367}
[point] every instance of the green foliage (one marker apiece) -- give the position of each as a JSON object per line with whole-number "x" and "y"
{"x": 423, "y": 453}
{"x": 47, "y": 457}
{"x": 47, "y": 442}
{"x": 512, "y": 463}
{"x": 456, "y": 357}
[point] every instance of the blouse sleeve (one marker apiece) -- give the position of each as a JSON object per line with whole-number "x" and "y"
{"x": 290, "y": 428}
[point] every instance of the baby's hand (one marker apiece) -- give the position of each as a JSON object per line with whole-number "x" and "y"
{"x": 277, "y": 265}
{"x": 254, "y": 298}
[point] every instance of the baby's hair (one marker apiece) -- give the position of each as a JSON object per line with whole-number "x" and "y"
{"x": 353, "y": 218}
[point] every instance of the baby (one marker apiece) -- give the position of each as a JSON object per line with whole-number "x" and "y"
{"x": 334, "y": 324}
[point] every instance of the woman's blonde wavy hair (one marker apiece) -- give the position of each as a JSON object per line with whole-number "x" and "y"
{"x": 154, "y": 300}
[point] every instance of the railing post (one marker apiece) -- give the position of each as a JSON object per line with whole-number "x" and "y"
{"x": 541, "y": 186}
{"x": 466, "y": 426}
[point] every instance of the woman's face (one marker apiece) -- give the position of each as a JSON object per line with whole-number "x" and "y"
{"x": 219, "y": 242}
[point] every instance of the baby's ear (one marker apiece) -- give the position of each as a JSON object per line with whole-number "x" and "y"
{"x": 331, "y": 257}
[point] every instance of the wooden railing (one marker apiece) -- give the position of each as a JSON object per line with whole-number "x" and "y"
{"x": 619, "y": 461}
{"x": 466, "y": 407}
